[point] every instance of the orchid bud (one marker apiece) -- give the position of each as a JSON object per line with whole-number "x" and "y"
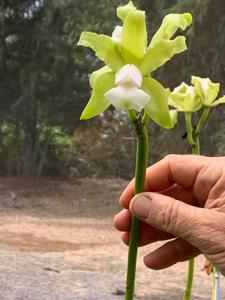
{"x": 129, "y": 76}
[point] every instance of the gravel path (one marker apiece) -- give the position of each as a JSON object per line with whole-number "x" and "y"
{"x": 32, "y": 267}
{"x": 57, "y": 243}
{"x": 34, "y": 277}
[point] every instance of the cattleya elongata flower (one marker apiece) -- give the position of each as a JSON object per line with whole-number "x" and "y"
{"x": 208, "y": 91}
{"x": 185, "y": 99}
{"x": 188, "y": 99}
{"x": 125, "y": 81}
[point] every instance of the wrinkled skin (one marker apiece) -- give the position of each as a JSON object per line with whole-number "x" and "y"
{"x": 184, "y": 203}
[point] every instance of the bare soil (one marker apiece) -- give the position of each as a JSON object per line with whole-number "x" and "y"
{"x": 57, "y": 242}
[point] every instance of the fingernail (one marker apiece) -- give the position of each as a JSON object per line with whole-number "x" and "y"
{"x": 140, "y": 206}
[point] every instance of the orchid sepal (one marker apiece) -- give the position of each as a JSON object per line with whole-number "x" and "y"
{"x": 123, "y": 11}
{"x": 105, "y": 48}
{"x": 171, "y": 23}
{"x": 98, "y": 103}
{"x": 134, "y": 34}
{"x": 157, "y": 108}
{"x": 218, "y": 102}
{"x": 158, "y": 54}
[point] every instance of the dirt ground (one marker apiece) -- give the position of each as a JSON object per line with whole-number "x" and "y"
{"x": 57, "y": 243}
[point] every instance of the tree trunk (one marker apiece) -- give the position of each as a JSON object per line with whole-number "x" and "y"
{"x": 30, "y": 124}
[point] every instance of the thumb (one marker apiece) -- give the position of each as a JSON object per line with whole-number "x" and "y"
{"x": 170, "y": 215}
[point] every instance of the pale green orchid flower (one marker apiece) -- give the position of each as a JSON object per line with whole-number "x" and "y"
{"x": 185, "y": 99}
{"x": 127, "y": 50}
{"x": 207, "y": 91}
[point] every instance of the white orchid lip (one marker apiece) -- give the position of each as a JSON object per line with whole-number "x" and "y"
{"x": 122, "y": 97}
{"x": 117, "y": 33}
{"x": 128, "y": 95}
{"x": 129, "y": 75}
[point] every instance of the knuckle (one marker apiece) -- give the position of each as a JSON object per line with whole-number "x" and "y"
{"x": 170, "y": 216}
{"x": 201, "y": 186}
{"x": 170, "y": 157}
{"x": 210, "y": 232}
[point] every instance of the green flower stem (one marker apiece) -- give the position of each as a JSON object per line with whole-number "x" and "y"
{"x": 196, "y": 146}
{"x": 203, "y": 118}
{"x": 216, "y": 285}
{"x": 132, "y": 116}
{"x": 193, "y": 139}
{"x": 190, "y": 275}
{"x": 141, "y": 165}
{"x": 216, "y": 275}
{"x": 191, "y": 264}
{"x": 189, "y": 128}
{"x": 145, "y": 118}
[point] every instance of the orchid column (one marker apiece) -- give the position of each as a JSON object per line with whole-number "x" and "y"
{"x": 125, "y": 82}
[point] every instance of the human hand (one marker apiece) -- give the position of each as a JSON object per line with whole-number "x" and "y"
{"x": 184, "y": 202}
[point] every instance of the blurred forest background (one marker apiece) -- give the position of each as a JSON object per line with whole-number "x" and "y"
{"x": 44, "y": 87}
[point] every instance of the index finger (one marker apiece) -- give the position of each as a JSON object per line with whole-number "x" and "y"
{"x": 173, "y": 169}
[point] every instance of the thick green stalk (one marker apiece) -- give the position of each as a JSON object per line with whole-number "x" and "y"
{"x": 141, "y": 164}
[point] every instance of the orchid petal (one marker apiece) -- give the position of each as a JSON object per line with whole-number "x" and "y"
{"x": 171, "y": 23}
{"x": 174, "y": 115}
{"x": 128, "y": 98}
{"x": 157, "y": 108}
{"x": 98, "y": 102}
{"x": 134, "y": 35}
{"x": 117, "y": 33}
{"x": 123, "y": 11}
{"x": 129, "y": 75}
{"x": 104, "y": 47}
{"x": 206, "y": 89}
{"x": 160, "y": 53}
{"x": 219, "y": 101}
